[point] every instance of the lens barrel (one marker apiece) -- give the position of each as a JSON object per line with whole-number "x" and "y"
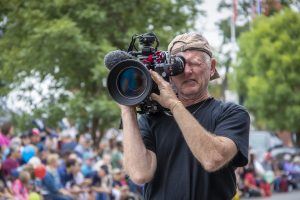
{"x": 129, "y": 82}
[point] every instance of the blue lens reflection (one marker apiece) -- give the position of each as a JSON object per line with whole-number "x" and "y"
{"x": 131, "y": 82}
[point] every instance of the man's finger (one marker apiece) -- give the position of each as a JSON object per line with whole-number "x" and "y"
{"x": 156, "y": 77}
{"x": 154, "y": 97}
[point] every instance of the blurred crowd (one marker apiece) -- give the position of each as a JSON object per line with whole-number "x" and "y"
{"x": 65, "y": 164}
{"x": 62, "y": 165}
{"x": 273, "y": 174}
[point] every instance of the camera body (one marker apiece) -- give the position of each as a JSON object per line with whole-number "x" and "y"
{"x": 129, "y": 81}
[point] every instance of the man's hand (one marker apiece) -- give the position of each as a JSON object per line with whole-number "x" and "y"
{"x": 167, "y": 97}
{"x": 127, "y": 109}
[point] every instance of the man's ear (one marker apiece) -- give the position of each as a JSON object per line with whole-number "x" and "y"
{"x": 213, "y": 64}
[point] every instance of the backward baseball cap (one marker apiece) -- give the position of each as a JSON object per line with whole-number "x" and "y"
{"x": 191, "y": 41}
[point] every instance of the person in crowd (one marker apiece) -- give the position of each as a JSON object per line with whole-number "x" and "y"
{"x": 25, "y": 139}
{"x": 77, "y": 185}
{"x": 120, "y": 186}
{"x": 5, "y": 191}
{"x": 52, "y": 187}
{"x": 7, "y": 130}
{"x": 20, "y": 186}
{"x": 101, "y": 183}
{"x": 35, "y": 139}
{"x": 64, "y": 173}
{"x": 117, "y": 155}
{"x": 269, "y": 167}
{"x": 84, "y": 145}
{"x": 12, "y": 161}
{"x": 68, "y": 144}
{"x": 87, "y": 164}
{"x": 251, "y": 186}
{"x": 255, "y": 171}
{"x": 201, "y": 144}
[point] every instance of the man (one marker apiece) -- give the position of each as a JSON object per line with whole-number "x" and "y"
{"x": 192, "y": 154}
{"x": 51, "y": 184}
{"x": 35, "y": 139}
{"x": 84, "y": 146}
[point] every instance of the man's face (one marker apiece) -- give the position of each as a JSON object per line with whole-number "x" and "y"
{"x": 26, "y": 140}
{"x": 193, "y": 82}
{"x": 35, "y": 139}
{"x": 75, "y": 168}
{"x": 101, "y": 173}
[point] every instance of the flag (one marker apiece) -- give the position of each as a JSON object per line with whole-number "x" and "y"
{"x": 253, "y": 9}
{"x": 235, "y": 10}
{"x": 258, "y": 7}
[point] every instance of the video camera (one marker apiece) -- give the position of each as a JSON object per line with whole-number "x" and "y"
{"x": 129, "y": 81}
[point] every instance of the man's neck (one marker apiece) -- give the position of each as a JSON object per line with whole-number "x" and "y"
{"x": 187, "y": 101}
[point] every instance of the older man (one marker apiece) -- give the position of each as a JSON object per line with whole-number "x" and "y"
{"x": 192, "y": 154}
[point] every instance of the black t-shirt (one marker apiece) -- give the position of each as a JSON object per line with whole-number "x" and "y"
{"x": 179, "y": 175}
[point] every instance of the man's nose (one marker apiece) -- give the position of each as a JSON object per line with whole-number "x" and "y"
{"x": 188, "y": 69}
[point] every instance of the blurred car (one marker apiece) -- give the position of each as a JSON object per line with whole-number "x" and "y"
{"x": 262, "y": 141}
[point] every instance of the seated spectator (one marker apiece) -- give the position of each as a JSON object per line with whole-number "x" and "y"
{"x": 76, "y": 185}
{"x": 25, "y": 139}
{"x": 100, "y": 183}
{"x": 87, "y": 165}
{"x": 296, "y": 163}
{"x": 64, "y": 175}
{"x": 5, "y": 191}
{"x": 35, "y": 139}
{"x": 250, "y": 184}
{"x": 19, "y": 187}
{"x": 7, "y": 130}
{"x": 68, "y": 144}
{"x": 117, "y": 156}
{"x": 287, "y": 165}
{"x": 120, "y": 186}
{"x": 52, "y": 187}
{"x": 84, "y": 146}
{"x": 15, "y": 141}
{"x": 12, "y": 161}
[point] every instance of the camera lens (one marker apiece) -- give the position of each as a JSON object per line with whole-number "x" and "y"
{"x": 131, "y": 82}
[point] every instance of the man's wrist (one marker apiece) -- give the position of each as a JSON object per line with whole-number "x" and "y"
{"x": 174, "y": 105}
{"x": 128, "y": 110}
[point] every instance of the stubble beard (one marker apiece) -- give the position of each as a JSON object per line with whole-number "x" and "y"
{"x": 193, "y": 97}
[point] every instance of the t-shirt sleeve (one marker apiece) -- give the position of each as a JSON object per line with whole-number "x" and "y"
{"x": 147, "y": 135}
{"x": 234, "y": 123}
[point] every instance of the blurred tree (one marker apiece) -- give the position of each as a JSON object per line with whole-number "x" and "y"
{"x": 246, "y": 12}
{"x": 268, "y": 70}
{"x": 67, "y": 40}
{"x": 243, "y": 13}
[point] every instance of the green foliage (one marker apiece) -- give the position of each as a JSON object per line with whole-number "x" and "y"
{"x": 243, "y": 23}
{"x": 244, "y": 9}
{"x": 268, "y": 70}
{"x": 68, "y": 39}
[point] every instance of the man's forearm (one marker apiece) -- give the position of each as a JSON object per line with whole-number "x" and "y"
{"x": 212, "y": 152}
{"x": 139, "y": 162}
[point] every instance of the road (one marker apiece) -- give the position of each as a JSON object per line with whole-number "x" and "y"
{"x": 294, "y": 195}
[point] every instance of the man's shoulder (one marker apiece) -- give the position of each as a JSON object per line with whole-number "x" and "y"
{"x": 223, "y": 106}
{"x": 224, "y": 110}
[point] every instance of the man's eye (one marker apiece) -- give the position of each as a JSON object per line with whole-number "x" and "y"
{"x": 194, "y": 64}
